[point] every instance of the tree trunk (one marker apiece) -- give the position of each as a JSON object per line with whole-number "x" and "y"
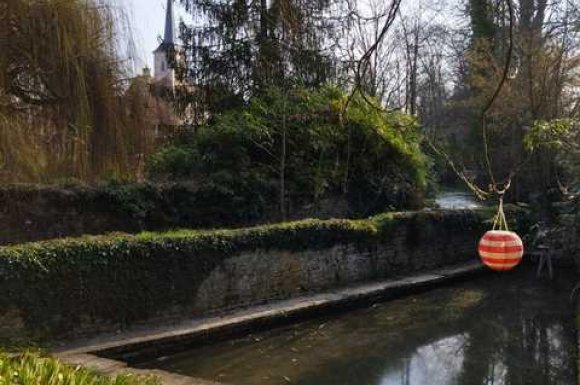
{"x": 414, "y": 70}
{"x": 283, "y": 163}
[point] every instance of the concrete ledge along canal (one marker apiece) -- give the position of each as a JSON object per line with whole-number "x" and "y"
{"x": 497, "y": 328}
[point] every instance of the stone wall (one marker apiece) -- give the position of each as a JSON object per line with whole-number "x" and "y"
{"x": 83, "y": 287}
{"x": 263, "y": 275}
{"x": 415, "y": 242}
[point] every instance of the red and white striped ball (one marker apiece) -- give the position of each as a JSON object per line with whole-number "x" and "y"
{"x": 501, "y": 250}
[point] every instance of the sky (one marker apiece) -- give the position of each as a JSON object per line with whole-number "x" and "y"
{"x": 147, "y": 19}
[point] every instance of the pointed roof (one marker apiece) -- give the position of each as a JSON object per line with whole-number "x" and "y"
{"x": 168, "y": 41}
{"x": 169, "y": 36}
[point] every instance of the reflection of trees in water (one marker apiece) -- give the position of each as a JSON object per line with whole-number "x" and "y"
{"x": 509, "y": 338}
{"x": 514, "y": 332}
{"x": 518, "y": 351}
{"x": 406, "y": 372}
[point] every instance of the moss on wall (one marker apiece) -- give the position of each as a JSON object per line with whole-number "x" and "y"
{"x": 97, "y": 284}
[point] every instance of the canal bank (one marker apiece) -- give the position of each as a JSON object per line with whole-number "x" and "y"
{"x": 130, "y": 352}
{"x": 453, "y": 326}
{"x": 496, "y": 329}
{"x": 91, "y": 286}
{"x": 153, "y": 286}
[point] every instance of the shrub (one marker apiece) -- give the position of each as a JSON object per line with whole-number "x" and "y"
{"x": 176, "y": 160}
{"x": 370, "y": 158}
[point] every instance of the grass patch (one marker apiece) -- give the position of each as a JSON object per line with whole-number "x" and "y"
{"x": 34, "y": 369}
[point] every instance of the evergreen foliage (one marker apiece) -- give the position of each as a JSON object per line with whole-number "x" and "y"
{"x": 482, "y": 20}
{"x": 297, "y": 143}
{"x": 239, "y": 48}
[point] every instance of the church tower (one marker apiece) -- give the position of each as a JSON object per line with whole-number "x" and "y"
{"x": 164, "y": 74}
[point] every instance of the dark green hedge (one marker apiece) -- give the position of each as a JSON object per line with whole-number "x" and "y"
{"x": 31, "y": 213}
{"x": 104, "y": 282}
{"x": 371, "y": 160}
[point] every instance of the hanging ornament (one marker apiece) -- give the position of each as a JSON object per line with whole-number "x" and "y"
{"x": 499, "y": 248}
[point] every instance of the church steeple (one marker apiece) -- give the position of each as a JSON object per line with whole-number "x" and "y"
{"x": 164, "y": 73}
{"x": 169, "y": 36}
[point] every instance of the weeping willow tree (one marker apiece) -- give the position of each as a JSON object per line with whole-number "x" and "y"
{"x": 64, "y": 112}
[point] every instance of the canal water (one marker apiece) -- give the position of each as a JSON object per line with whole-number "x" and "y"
{"x": 501, "y": 329}
{"x": 456, "y": 200}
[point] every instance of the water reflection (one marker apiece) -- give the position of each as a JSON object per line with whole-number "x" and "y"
{"x": 504, "y": 329}
{"x": 456, "y": 200}
{"x": 440, "y": 362}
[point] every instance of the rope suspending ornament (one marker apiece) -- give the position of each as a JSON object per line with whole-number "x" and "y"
{"x": 499, "y": 221}
{"x": 501, "y": 249}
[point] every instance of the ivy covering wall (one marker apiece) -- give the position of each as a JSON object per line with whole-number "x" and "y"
{"x": 88, "y": 285}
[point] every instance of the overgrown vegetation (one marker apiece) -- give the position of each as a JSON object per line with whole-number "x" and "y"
{"x": 269, "y": 44}
{"x": 64, "y": 109}
{"x": 559, "y": 228}
{"x": 562, "y": 138}
{"x": 286, "y": 150}
{"x": 42, "y": 212}
{"x": 78, "y": 285}
{"x": 35, "y": 369}
{"x": 539, "y": 42}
